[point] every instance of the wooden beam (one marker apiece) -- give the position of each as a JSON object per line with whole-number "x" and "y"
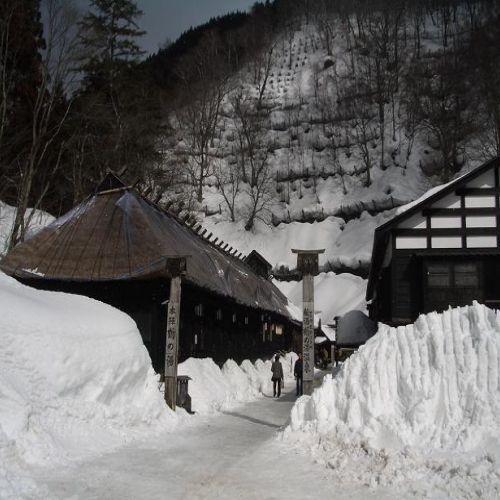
{"x": 465, "y": 191}
{"x": 470, "y": 231}
{"x": 458, "y": 212}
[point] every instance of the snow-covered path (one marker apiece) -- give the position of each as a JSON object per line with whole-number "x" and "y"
{"x": 234, "y": 455}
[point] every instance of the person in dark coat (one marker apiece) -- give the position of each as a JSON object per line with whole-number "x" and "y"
{"x": 277, "y": 369}
{"x": 297, "y": 371}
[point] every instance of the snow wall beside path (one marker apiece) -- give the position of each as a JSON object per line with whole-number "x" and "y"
{"x": 213, "y": 389}
{"x": 415, "y": 403}
{"x": 75, "y": 377}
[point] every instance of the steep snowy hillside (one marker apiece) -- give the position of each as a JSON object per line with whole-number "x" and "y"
{"x": 290, "y": 168}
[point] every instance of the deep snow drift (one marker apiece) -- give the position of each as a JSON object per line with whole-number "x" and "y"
{"x": 415, "y": 402}
{"x": 212, "y": 389}
{"x": 71, "y": 366}
{"x": 76, "y": 380}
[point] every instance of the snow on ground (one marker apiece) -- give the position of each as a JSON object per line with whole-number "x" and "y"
{"x": 225, "y": 456}
{"x": 415, "y": 409}
{"x": 7, "y": 214}
{"x": 76, "y": 381}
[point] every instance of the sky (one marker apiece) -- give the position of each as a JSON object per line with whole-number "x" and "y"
{"x": 164, "y": 19}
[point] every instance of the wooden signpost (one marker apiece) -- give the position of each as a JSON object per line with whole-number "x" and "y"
{"x": 307, "y": 264}
{"x": 176, "y": 268}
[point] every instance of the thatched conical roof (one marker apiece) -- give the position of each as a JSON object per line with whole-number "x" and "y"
{"x": 117, "y": 234}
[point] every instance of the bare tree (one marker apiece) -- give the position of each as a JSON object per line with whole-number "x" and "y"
{"x": 260, "y": 194}
{"x": 486, "y": 60}
{"x": 228, "y": 178}
{"x": 446, "y": 107}
{"x": 253, "y": 156}
{"x": 49, "y": 111}
{"x": 324, "y": 17}
{"x": 206, "y": 83}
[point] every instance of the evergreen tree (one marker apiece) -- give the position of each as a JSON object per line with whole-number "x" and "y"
{"x": 117, "y": 109}
{"x": 108, "y": 38}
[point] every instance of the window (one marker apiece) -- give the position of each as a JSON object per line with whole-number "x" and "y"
{"x": 198, "y": 310}
{"x": 452, "y": 282}
{"x": 246, "y": 320}
{"x": 438, "y": 274}
{"x": 452, "y": 274}
{"x": 219, "y": 314}
{"x": 234, "y": 317}
{"x": 466, "y": 274}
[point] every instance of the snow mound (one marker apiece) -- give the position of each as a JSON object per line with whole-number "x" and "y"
{"x": 419, "y": 402}
{"x": 213, "y": 389}
{"x": 434, "y": 384}
{"x": 75, "y": 377}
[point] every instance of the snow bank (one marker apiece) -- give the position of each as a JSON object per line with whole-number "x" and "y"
{"x": 75, "y": 378}
{"x": 415, "y": 402}
{"x": 213, "y": 389}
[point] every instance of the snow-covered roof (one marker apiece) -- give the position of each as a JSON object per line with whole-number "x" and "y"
{"x": 330, "y": 332}
{"x": 354, "y": 329}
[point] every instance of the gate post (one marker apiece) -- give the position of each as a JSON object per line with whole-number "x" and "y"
{"x": 176, "y": 268}
{"x": 307, "y": 264}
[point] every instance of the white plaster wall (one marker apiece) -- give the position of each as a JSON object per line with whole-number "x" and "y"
{"x": 446, "y": 222}
{"x": 480, "y": 221}
{"x": 479, "y": 202}
{"x": 446, "y": 242}
{"x": 481, "y": 241}
{"x": 410, "y": 242}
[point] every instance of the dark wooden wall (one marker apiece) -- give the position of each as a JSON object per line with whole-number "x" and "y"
{"x": 403, "y": 291}
{"x": 220, "y": 329}
{"x": 406, "y": 287}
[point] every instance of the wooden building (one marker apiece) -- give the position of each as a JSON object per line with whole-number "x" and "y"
{"x": 113, "y": 247}
{"x": 442, "y": 251}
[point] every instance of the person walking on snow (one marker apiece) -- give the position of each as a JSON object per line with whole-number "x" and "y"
{"x": 277, "y": 369}
{"x": 297, "y": 371}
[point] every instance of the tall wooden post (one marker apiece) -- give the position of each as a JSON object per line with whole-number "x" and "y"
{"x": 176, "y": 267}
{"x": 307, "y": 264}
